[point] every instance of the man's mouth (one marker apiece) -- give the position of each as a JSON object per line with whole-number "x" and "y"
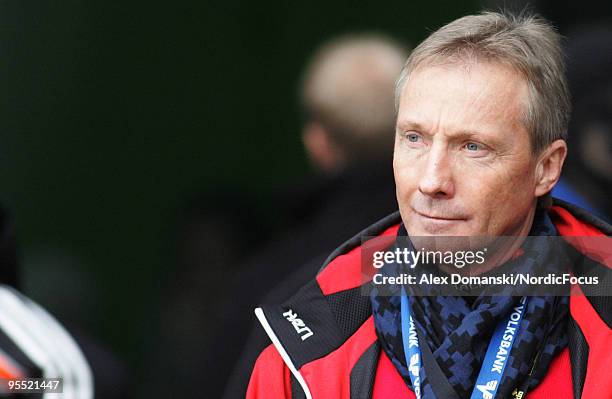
{"x": 440, "y": 218}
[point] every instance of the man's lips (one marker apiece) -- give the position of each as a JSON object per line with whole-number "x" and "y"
{"x": 442, "y": 218}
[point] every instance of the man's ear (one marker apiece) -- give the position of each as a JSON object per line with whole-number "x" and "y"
{"x": 321, "y": 149}
{"x": 549, "y": 165}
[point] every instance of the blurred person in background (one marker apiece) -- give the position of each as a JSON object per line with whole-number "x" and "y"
{"x": 346, "y": 96}
{"x": 33, "y": 344}
{"x": 587, "y": 177}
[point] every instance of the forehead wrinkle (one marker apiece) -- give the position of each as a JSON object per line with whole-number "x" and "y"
{"x": 469, "y": 67}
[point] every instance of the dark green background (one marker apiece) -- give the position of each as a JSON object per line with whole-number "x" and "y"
{"x": 112, "y": 113}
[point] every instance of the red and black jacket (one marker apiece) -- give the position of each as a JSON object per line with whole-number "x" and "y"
{"x": 324, "y": 345}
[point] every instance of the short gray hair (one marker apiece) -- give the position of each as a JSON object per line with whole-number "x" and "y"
{"x": 526, "y": 43}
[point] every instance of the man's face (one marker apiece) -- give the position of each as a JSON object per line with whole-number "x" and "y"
{"x": 462, "y": 162}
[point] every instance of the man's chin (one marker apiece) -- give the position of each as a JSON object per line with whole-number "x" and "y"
{"x": 438, "y": 227}
{"x": 446, "y": 237}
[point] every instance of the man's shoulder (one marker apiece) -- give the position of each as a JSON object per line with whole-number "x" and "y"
{"x": 589, "y": 236}
{"x": 335, "y": 271}
{"x": 327, "y": 310}
{"x": 341, "y": 270}
{"x": 571, "y": 220}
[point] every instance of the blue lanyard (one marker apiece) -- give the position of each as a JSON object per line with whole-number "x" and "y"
{"x": 495, "y": 360}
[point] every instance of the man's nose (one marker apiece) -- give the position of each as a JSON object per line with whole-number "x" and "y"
{"x": 437, "y": 180}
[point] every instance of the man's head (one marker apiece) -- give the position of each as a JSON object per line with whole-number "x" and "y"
{"x": 483, "y": 108}
{"x": 347, "y": 97}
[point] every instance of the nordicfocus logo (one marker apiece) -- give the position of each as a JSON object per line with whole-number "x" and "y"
{"x": 303, "y": 331}
{"x": 487, "y": 389}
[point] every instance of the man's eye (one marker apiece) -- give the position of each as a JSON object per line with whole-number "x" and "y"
{"x": 412, "y": 137}
{"x": 472, "y": 146}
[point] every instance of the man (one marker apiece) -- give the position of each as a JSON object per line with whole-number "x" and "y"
{"x": 483, "y": 108}
{"x": 346, "y": 96}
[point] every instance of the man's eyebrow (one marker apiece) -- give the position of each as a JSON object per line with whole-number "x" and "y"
{"x": 410, "y": 125}
{"x": 407, "y": 125}
{"x": 477, "y": 135}
{"x": 467, "y": 134}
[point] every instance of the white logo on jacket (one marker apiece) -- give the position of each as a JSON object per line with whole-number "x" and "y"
{"x": 298, "y": 324}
